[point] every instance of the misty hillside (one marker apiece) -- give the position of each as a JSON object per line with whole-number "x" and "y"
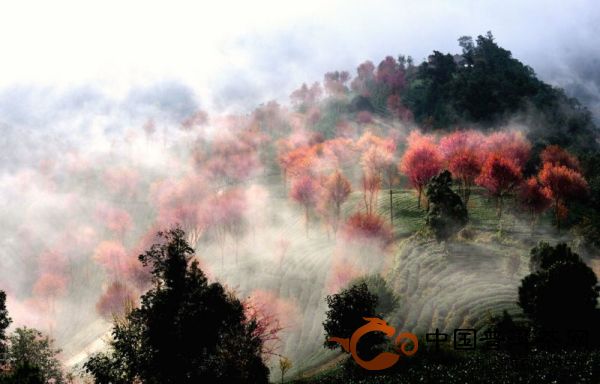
{"x": 293, "y": 202}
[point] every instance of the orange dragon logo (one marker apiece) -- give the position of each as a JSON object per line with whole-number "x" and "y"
{"x": 385, "y": 359}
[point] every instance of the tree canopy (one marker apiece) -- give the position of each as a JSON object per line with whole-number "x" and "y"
{"x": 561, "y": 293}
{"x": 186, "y": 330}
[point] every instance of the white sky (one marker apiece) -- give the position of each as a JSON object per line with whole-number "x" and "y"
{"x": 256, "y": 50}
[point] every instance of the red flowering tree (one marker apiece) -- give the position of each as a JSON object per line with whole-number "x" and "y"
{"x": 391, "y": 74}
{"x": 379, "y": 165}
{"x": 379, "y": 159}
{"x": 224, "y": 214}
{"x": 112, "y": 256}
{"x": 116, "y": 220}
{"x": 367, "y": 226}
{"x": 460, "y": 141}
{"x": 179, "y": 202}
{"x": 48, "y": 288}
{"x": 534, "y": 197}
{"x": 340, "y": 152}
{"x": 335, "y": 83}
{"x": 465, "y": 166}
{"x": 365, "y": 78}
{"x": 462, "y": 152}
{"x": 555, "y": 155}
{"x": 500, "y": 176}
{"x": 336, "y": 190}
{"x": 233, "y": 159}
{"x": 371, "y": 184}
{"x": 273, "y": 314}
{"x": 305, "y": 192}
{"x": 342, "y": 272}
{"x": 115, "y": 300}
{"x": 296, "y": 162}
{"x": 420, "y": 162}
{"x": 305, "y": 96}
{"x": 565, "y": 184}
{"x": 510, "y": 144}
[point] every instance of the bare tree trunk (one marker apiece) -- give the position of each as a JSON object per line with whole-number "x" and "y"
{"x": 306, "y": 218}
{"x": 557, "y": 213}
{"x": 499, "y": 206}
{"x": 236, "y": 241}
{"x": 336, "y": 219}
{"x": 222, "y": 246}
{"x": 391, "y": 208}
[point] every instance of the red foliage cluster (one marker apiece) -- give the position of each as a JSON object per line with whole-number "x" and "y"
{"x": 391, "y": 73}
{"x": 379, "y": 159}
{"x": 53, "y": 261}
{"x": 116, "y": 220}
{"x": 340, "y": 152}
{"x": 115, "y": 300}
{"x": 306, "y": 96}
{"x": 272, "y": 314}
{"x": 459, "y": 142}
{"x": 341, "y": 273}
{"x": 268, "y": 119}
{"x": 564, "y": 184}
{"x": 112, "y": 256}
{"x": 371, "y": 184}
{"x": 465, "y": 166}
{"x": 50, "y": 285}
{"x": 365, "y": 76}
{"x": 233, "y": 159}
{"x": 336, "y": 190}
{"x": 421, "y": 161}
{"x": 297, "y": 162}
{"x": 367, "y": 226}
{"x": 555, "y": 155}
{"x": 305, "y": 191}
{"x": 181, "y": 202}
{"x": 535, "y": 197}
{"x": 335, "y": 83}
{"x": 500, "y": 176}
{"x": 225, "y": 215}
{"x": 198, "y": 119}
{"x": 510, "y": 144}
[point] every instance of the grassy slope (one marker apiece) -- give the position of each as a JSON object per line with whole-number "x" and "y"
{"x": 447, "y": 286}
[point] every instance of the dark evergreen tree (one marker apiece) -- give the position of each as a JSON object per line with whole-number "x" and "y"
{"x": 30, "y": 350}
{"x": 5, "y": 321}
{"x": 185, "y": 331}
{"x": 561, "y": 293}
{"x": 23, "y": 373}
{"x": 346, "y": 314}
{"x": 487, "y": 86}
{"x": 387, "y": 300}
{"x": 447, "y": 213}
